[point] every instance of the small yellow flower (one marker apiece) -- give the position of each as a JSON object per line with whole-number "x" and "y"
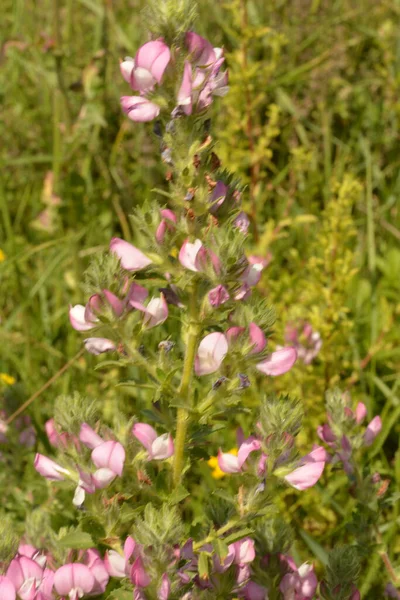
{"x": 213, "y": 464}
{"x": 7, "y": 379}
{"x": 2, "y": 256}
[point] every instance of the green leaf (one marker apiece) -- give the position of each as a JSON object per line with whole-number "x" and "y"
{"x": 315, "y": 547}
{"x": 203, "y": 565}
{"x": 179, "y": 494}
{"x": 221, "y": 549}
{"x": 238, "y": 535}
{"x": 76, "y": 540}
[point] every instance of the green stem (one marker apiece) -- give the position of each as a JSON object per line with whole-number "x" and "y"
{"x": 182, "y": 420}
{"x": 219, "y": 532}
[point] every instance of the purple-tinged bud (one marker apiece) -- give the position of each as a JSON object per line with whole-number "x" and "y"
{"x": 167, "y": 223}
{"x": 372, "y": 430}
{"x": 217, "y": 296}
{"x": 218, "y": 196}
{"x": 244, "y": 381}
{"x": 361, "y": 412}
{"x": 242, "y": 222}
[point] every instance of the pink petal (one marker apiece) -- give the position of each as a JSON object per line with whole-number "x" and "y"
{"x": 49, "y": 469}
{"x": 185, "y": 91}
{"x": 7, "y": 590}
{"x": 318, "y": 454}
{"x": 200, "y": 49}
{"x": 96, "y": 346}
{"x": 257, "y": 338}
{"x": 210, "y": 354}
{"x": 117, "y": 305}
{"x": 228, "y": 463}
{"x": 305, "y": 476}
{"x": 244, "y": 551}
{"x": 131, "y": 258}
{"x": 129, "y": 547}
{"x": 21, "y": 570}
{"x": 372, "y": 430}
{"x": 126, "y": 67}
{"x": 145, "y": 434}
{"x": 248, "y": 446}
{"x": 165, "y": 588}
{"x": 137, "y": 294}
{"x": 156, "y": 312}
{"x": 153, "y": 56}
{"x": 326, "y": 434}
{"x": 73, "y": 576}
{"x": 103, "y": 477}
{"x": 139, "y": 576}
{"x": 77, "y": 318}
{"x": 188, "y": 255}
{"x": 89, "y": 437}
{"x": 110, "y": 455}
{"x": 139, "y": 109}
{"x": 278, "y": 362}
{"x": 217, "y": 296}
{"x": 116, "y": 564}
{"x": 162, "y": 447}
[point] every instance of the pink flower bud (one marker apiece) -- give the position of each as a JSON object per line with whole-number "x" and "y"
{"x": 25, "y": 575}
{"x": 211, "y": 353}
{"x": 217, "y": 296}
{"x": 278, "y": 362}
{"x": 201, "y": 51}
{"x": 156, "y": 312}
{"x": 218, "y": 196}
{"x": 98, "y": 569}
{"x": 117, "y": 305}
{"x": 326, "y": 434}
{"x": 164, "y": 589}
{"x": 109, "y": 455}
{"x": 137, "y": 294}
{"x": 89, "y": 437}
{"x": 139, "y": 109}
{"x": 252, "y": 274}
{"x": 139, "y": 577}
{"x": 257, "y": 339}
{"x": 74, "y": 580}
{"x": 242, "y": 222}
{"x": 253, "y": 591}
{"x": 372, "y": 430}
{"x": 49, "y": 469}
{"x": 131, "y": 258}
{"x": 167, "y": 223}
{"x": 361, "y": 412}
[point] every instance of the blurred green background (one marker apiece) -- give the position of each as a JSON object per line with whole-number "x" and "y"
{"x": 311, "y": 125}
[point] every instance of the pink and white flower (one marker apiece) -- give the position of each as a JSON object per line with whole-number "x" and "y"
{"x": 159, "y": 447}
{"x": 211, "y": 353}
{"x": 310, "y": 469}
{"x": 74, "y": 580}
{"x": 131, "y": 258}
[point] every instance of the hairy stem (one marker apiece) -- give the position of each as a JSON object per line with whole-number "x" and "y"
{"x": 182, "y": 420}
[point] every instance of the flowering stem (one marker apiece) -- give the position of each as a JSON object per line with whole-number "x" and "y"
{"x": 182, "y": 420}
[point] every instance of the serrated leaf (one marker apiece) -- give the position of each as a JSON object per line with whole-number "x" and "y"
{"x": 76, "y": 540}
{"x": 179, "y": 494}
{"x": 221, "y": 549}
{"x": 238, "y": 535}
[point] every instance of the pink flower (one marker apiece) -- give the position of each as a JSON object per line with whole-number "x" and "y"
{"x": 310, "y": 469}
{"x": 49, "y": 469}
{"x": 158, "y": 447}
{"x": 7, "y": 590}
{"x": 326, "y": 434}
{"x": 81, "y": 318}
{"x": 74, "y": 580}
{"x": 131, "y": 258}
{"x": 217, "y": 296}
{"x": 167, "y": 223}
{"x": 218, "y": 196}
{"x": 136, "y": 296}
{"x": 148, "y": 66}
{"x": 118, "y": 565}
{"x": 211, "y": 353}
{"x": 242, "y": 222}
{"x": 301, "y": 584}
{"x": 156, "y": 312}
{"x": 307, "y": 342}
{"x": 26, "y": 575}
{"x": 139, "y": 109}
{"x": 361, "y": 412}
{"x": 185, "y": 91}
{"x": 372, "y": 430}
{"x": 253, "y": 591}
{"x": 109, "y": 455}
{"x": 196, "y": 257}
{"x": 98, "y": 569}
{"x": 201, "y": 51}
{"x": 229, "y": 463}
{"x": 244, "y": 551}
{"x": 278, "y": 362}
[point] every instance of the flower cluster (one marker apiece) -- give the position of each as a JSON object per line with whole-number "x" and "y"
{"x": 201, "y": 79}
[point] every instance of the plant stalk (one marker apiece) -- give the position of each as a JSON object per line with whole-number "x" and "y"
{"x": 182, "y": 420}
